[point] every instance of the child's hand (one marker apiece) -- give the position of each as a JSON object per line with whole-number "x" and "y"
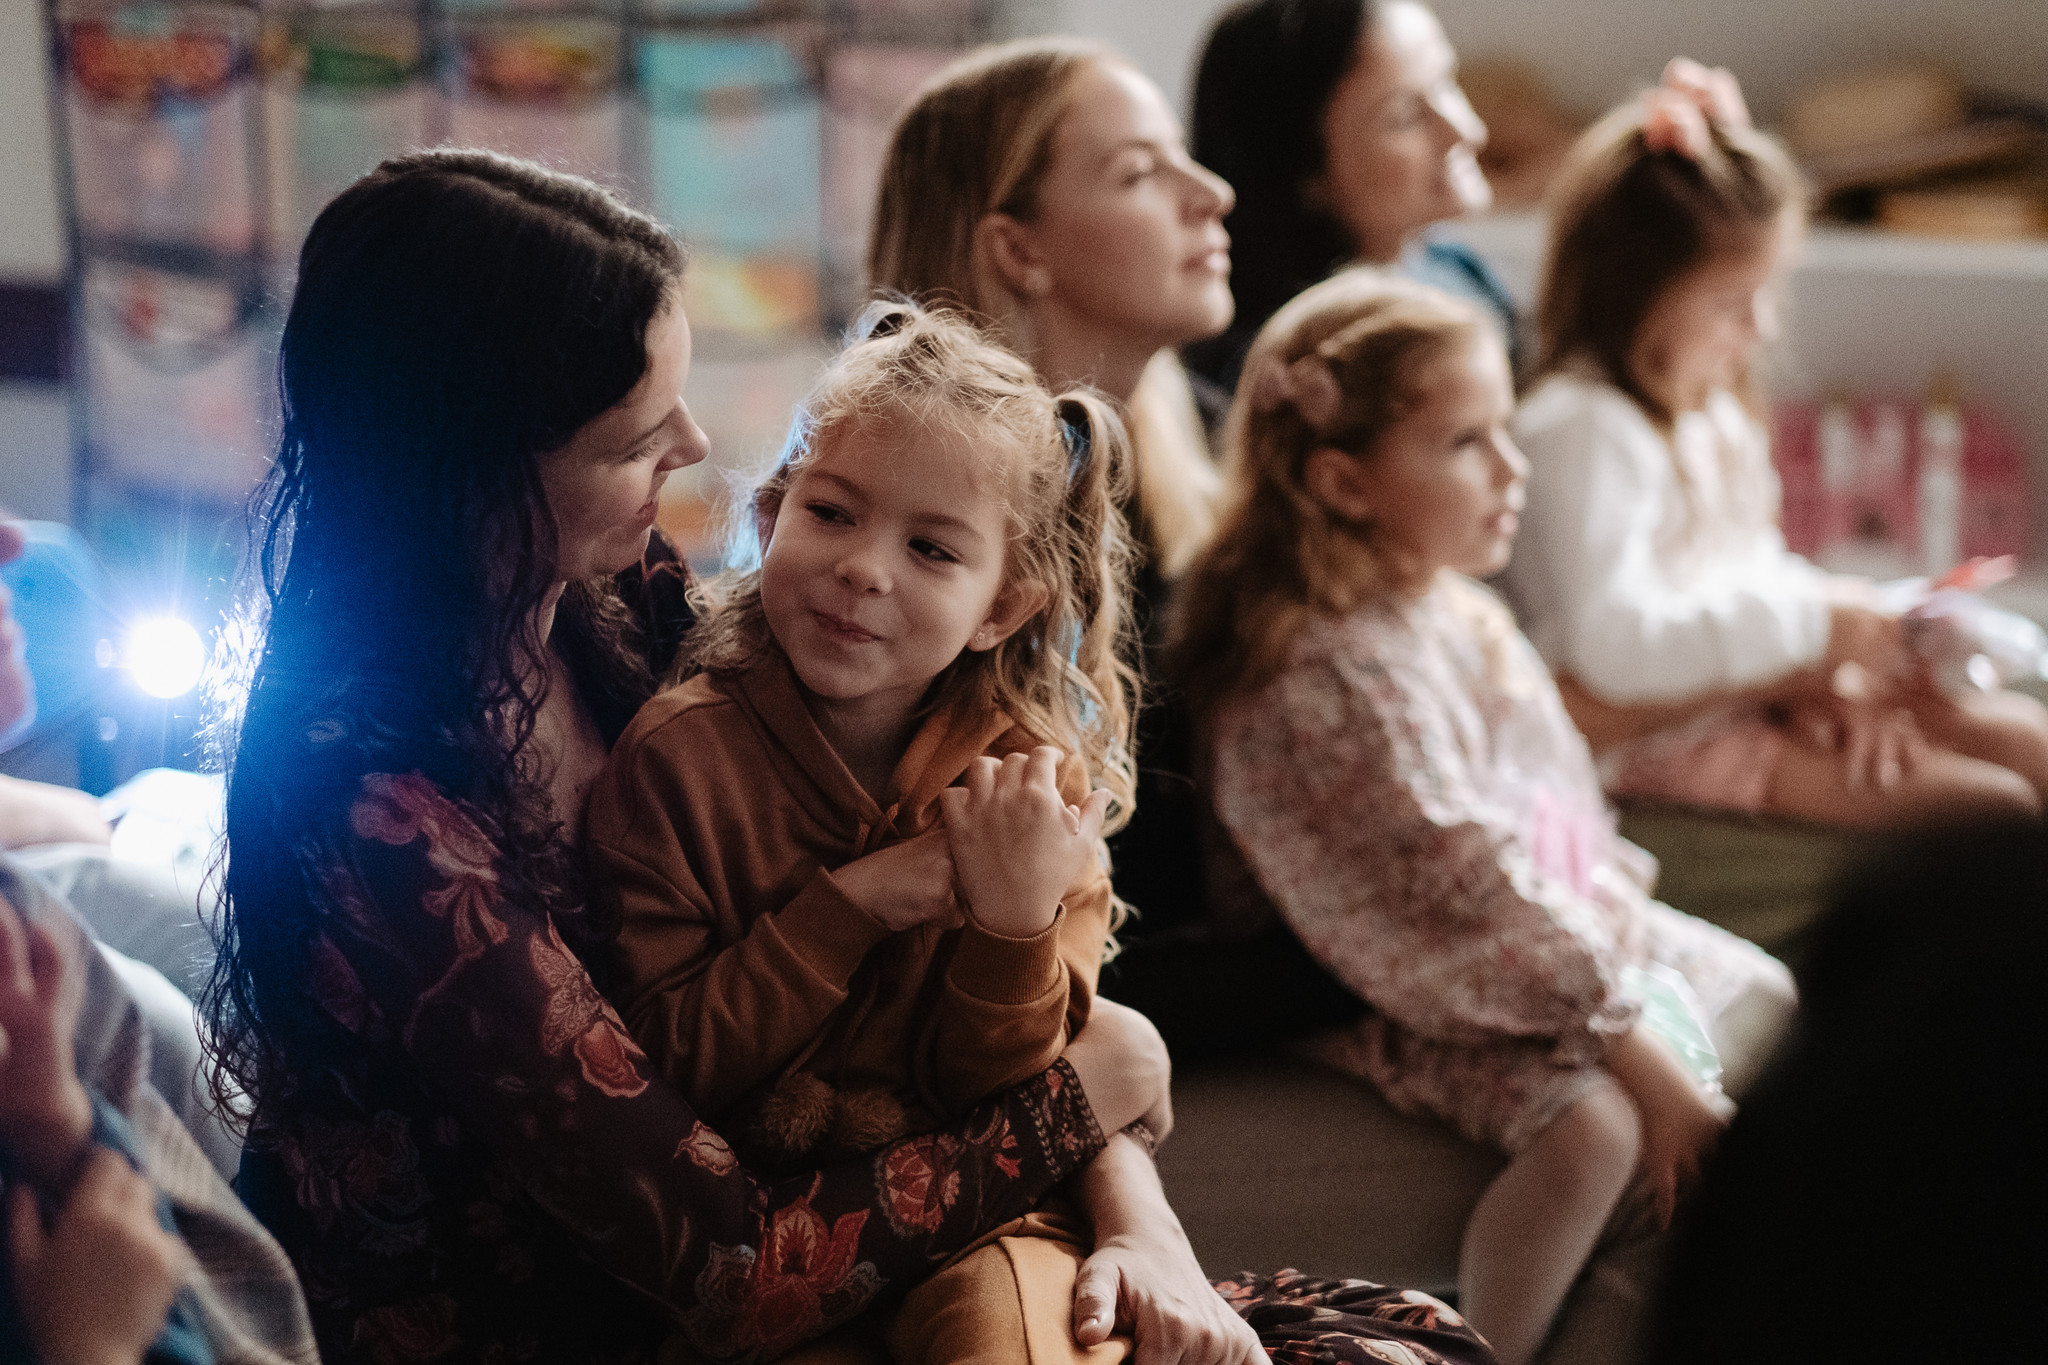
{"x": 1680, "y": 1121}
{"x": 906, "y": 884}
{"x": 1880, "y": 744}
{"x": 96, "y": 1285}
{"x": 1872, "y": 640}
{"x": 1017, "y": 845}
{"x": 45, "y": 1114}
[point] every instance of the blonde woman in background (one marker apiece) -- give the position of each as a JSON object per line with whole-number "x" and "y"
{"x": 1046, "y": 187}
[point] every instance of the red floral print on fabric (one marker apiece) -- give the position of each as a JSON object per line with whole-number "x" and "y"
{"x": 919, "y": 1180}
{"x": 574, "y": 1016}
{"x": 806, "y": 1276}
{"x": 708, "y": 1150}
{"x": 402, "y": 1333}
{"x": 364, "y": 1174}
{"x": 1418, "y": 1309}
{"x": 1000, "y": 1142}
{"x": 336, "y": 987}
{"x": 396, "y": 810}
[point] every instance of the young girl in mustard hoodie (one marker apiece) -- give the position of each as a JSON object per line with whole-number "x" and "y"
{"x": 858, "y": 858}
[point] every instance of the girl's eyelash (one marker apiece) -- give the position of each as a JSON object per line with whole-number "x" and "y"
{"x": 932, "y": 550}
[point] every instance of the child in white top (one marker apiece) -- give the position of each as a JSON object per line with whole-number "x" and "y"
{"x": 1707, "y": 663}
{"x": 1400, "y": 780}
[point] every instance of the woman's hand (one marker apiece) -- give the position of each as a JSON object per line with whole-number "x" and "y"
{"x": 1143, "y": 1278}
{"x": 1124, "y": 1069}
{"x": 1017, "y": 844}
{"x": 45, "y": 1114}
{"x": 94, "y": 1288}
{"x": 906, "y": 884}
{"x": 1680, "y": 1122}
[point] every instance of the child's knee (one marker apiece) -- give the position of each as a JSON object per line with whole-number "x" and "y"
{"x": 1602, "y": 1129}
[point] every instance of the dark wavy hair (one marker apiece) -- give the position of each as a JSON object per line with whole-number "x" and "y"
{"x": 458, "y": 314}
{"x": 1264, "y": 81}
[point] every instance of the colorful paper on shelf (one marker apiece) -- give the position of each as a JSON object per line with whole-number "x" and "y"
{"x": 544, "y": 87}
{"x": 159, "y": 102}
{"x": 175, "y": 370}
{"x": 866, "y": 87}
{"x": 343, "y": 90}
{"x": 733, "y": 150}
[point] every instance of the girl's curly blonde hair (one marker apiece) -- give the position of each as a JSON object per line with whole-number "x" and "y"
{"x": 1062, "y": 463}
{"x": 1336, "y": 367}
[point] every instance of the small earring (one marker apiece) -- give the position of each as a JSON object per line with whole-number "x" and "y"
{"x": 980, "y": 640}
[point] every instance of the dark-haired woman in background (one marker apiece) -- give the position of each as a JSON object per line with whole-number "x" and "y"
{"x": 1343, "y": 129}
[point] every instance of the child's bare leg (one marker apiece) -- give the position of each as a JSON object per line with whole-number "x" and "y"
{"x": 1816, "y": 784}
{"x": 1537, "y": 1222}
{"x": 2006, "y": 728}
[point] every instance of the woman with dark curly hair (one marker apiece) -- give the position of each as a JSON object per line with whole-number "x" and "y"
{"x": 458, "y": 602}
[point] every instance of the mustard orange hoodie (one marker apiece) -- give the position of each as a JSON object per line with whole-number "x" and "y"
{"x": 717, "y": 825}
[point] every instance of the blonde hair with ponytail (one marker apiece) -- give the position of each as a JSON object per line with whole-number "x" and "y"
{"x": 1063, "y": 465}
{"x": 1336, "y": 367}
{"x": 978, "y": 140}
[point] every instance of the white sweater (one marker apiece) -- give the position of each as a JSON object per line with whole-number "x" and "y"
{"x": 1619, "y": 582}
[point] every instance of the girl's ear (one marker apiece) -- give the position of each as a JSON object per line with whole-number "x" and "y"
{"x": 764, "y": 525}
{"x": 1008, "y": 246}
{"x": 1014, "y": 605}
{"x": 1336, "y": 479}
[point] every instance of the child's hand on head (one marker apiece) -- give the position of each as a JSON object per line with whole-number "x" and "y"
{"x": 906, "y": 884}
{"x": 1017, "y": 844}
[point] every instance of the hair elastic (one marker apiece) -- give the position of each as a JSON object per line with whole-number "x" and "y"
{"x": 1075, "y": 428}
{"x": 1306, "y": 384}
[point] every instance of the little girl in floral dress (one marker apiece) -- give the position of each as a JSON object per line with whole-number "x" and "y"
{"x": 1399, "y": 779}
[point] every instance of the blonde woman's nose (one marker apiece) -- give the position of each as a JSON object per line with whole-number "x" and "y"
{"x": 1209, "y": 194}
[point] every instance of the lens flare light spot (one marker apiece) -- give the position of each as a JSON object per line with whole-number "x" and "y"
{"x": 165, "y": 656}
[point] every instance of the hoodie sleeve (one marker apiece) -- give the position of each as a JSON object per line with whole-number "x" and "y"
{"x": 1008, "y": 1006}
{"x": 720, "y": 1008}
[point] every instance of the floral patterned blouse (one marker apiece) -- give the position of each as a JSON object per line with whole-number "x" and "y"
{"x": 1411, "y": 796}
{"x": 494, "y": 1172}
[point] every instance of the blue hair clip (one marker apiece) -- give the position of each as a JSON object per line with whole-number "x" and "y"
{"x": 1079, "y": 439}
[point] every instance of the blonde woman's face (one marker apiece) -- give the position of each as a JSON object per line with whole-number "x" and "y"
{"x": 1130, "y": 229}
{"x": 1402, "y": 141}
